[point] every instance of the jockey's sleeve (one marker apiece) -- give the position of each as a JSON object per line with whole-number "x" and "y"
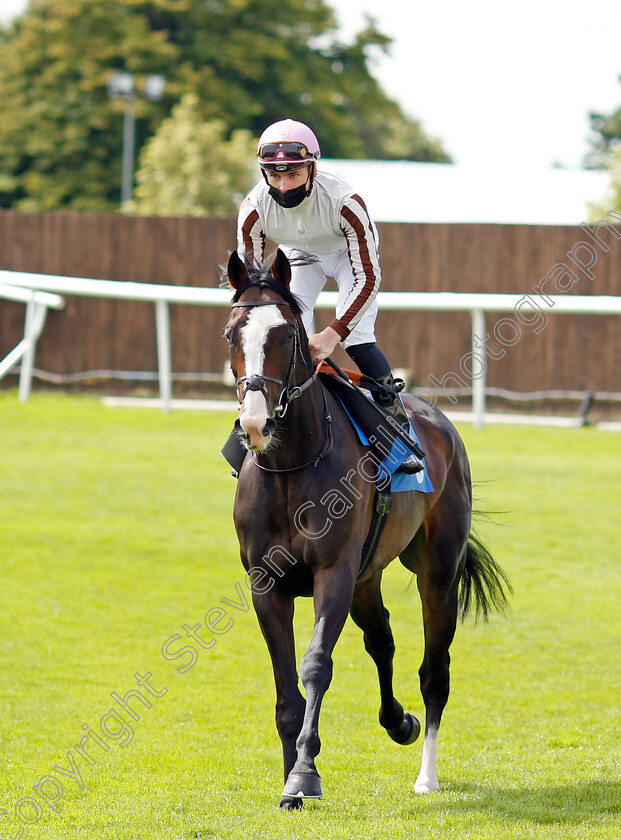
{"x": 362, "y": 248}
{"x": 250, "y": 233}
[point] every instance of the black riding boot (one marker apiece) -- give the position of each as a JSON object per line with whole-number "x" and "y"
{"x": 394, "y": 404}
{"x": 372, "y": 363}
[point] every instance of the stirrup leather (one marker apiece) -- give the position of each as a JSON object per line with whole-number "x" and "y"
{"x": 412, "y": 463}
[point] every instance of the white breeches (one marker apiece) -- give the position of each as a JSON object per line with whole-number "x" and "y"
{"x": 307, "y": 281}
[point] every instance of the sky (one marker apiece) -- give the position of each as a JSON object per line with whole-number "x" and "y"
{"x": 498, "y": 83}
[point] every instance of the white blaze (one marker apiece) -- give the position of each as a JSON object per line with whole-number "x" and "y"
{"x": 254, "y": 337}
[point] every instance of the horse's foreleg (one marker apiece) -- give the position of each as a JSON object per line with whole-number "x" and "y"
{"x": 370, "y": 614}
{"x": 332, "y": 597}
{"x": 275, "y": 614}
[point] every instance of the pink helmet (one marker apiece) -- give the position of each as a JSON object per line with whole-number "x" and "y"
{"x": 287, "y": 144}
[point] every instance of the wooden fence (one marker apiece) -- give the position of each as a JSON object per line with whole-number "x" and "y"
{"x": 554, "y": 352}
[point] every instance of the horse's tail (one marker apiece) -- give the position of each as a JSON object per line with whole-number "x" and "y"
{"x": 484, "y": 584}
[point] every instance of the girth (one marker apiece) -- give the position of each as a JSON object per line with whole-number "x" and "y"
{"x": 381, "y": 508}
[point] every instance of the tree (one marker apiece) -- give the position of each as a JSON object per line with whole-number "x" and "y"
{"x": 607, "y": 131}
{"x": 61, "y": 145}
{"x": 189, "y": 168}
{"x": 606, "y": 154}
{"x": 250, "y": 62}
{"x": 612, "y": 198}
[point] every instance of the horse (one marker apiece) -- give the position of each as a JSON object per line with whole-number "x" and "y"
{"x": 302, "y": 508}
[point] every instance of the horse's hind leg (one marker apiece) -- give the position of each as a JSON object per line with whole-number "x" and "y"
{"x": 370, "y": 614}
{"x": 438, "y": 581}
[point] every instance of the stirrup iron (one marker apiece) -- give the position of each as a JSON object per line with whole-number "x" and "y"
{"x": 393, "y": 403}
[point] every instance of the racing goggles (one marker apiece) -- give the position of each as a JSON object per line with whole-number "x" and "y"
{"x": 290, "y": 151}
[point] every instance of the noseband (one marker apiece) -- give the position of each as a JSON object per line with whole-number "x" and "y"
{"x": 256, "y": 382}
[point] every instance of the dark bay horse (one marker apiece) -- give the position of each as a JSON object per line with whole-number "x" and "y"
{"x": 302, "y": 512}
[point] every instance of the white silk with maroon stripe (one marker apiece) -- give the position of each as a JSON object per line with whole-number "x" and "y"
{"x": 333, "y": 225}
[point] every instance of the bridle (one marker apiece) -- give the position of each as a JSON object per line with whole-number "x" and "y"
{"x": 256, "y": 382}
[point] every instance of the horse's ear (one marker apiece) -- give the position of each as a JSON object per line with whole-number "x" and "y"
{"x": 236, "y": 271}
{"x": 281, "y": 270}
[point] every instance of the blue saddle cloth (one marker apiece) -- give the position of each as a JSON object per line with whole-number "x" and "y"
{"x": 398, "y": 453}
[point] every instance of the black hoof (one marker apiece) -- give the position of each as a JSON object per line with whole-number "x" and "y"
{"x": 408, "y": 732}
{"x": 307, "y": 785}
{"x": 291, "y": 803}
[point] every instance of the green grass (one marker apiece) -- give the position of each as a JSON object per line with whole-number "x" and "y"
{"x": 116, "y": 531}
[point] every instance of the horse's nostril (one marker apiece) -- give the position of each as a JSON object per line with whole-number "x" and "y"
{"x": 269, "y": 428}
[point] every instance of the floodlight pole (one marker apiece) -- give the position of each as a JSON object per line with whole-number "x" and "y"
{"x": 121, "y": 86}
{"x": 129, "y": 141}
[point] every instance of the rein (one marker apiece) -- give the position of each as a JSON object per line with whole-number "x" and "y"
{"x": 327, "y": 447}
{"x": 256, "y": 382}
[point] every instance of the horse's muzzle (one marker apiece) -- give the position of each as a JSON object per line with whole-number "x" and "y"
{"x": 269, "y": 428}
{"x": 257, "y": 416}
{"x": 257, "y": 429}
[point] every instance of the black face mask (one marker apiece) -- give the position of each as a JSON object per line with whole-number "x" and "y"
{"x": 291, "y": 198}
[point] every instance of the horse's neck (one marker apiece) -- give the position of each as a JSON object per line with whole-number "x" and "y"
{"x": 308, "y": 410}
{"x": 303, "y": 428}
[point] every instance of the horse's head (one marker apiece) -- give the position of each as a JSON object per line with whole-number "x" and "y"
{"x": 263, "y": 332}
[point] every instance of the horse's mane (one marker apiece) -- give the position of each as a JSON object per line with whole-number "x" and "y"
{"x": 261, "y": 277}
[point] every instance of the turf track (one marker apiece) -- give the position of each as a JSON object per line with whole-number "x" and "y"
{"x": 115, "y": 532}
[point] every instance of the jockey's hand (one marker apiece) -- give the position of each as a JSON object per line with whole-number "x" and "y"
{"x": 322, "y": 344}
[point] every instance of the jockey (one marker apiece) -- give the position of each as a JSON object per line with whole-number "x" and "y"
{"x": 302, "y": 209}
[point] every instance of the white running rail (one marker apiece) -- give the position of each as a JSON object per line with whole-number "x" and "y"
{"x": 37, "y": 305}
{"x": 161, "y": 295}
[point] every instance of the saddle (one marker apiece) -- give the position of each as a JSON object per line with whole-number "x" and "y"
{"x": 378, "y": 426}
